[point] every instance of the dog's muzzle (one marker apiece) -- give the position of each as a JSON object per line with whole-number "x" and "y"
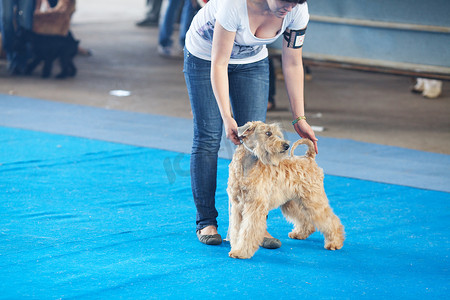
{"x": 285, "y": 147}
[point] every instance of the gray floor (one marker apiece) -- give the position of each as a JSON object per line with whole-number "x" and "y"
{"x": 367, "y": 107}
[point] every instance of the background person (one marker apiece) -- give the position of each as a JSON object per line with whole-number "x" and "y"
{"x": 165, "y": 43}
{"x": 15, "y": 14}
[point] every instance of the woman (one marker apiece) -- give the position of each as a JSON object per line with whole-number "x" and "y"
{"x": 226, "y": 66}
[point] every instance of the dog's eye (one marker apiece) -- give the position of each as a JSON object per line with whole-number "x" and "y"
{"x": 268, "y": 133}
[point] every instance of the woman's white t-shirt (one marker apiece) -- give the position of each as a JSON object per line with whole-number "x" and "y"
{"x": 233, "y": 16}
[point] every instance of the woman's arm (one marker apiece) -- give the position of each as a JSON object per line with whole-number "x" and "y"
{"x": 293, "y": 75}
{"x": 221, "y": 51}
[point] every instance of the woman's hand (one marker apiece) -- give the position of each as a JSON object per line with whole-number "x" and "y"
{"x": 231, "y": 129}
{"x": 305, "y": 131}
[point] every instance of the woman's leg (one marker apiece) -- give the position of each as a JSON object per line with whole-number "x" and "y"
{"x": 207, "y": 136}
{"x": 25, "y": 13}
{"x": 249, "y": 90}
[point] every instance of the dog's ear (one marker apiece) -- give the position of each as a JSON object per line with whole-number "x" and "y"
{"x": 244, "y": 130}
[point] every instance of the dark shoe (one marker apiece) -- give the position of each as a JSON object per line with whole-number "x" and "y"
{"x": 271, "y": 243}
{"x": 214, "y": 239}
{"x": 147, "y": 23}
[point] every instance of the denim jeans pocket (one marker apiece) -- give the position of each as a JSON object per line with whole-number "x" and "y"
{"x": 192, "y": 62}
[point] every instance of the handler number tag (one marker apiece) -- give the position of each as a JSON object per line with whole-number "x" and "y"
{"x": 299, "y": 41}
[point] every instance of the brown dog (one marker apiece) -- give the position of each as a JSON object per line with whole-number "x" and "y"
{"x": 263, "y": 177}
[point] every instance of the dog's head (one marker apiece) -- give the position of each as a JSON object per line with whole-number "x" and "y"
{"x": 265, "y": 141}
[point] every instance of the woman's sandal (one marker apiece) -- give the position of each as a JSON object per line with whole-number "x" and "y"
{"x": 206, "y": 239}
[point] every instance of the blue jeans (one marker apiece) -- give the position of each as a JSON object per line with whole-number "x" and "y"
{"x": 249, "y": 89}
{"x": 24, "y": 18}
{"x": 166, "y": 28}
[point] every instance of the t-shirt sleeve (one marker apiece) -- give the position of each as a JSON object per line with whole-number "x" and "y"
{"x": 228, "y": 16}
{"x": 300, "y": 17}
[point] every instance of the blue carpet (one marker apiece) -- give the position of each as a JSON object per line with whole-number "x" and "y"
{"x": 88, "y": 219}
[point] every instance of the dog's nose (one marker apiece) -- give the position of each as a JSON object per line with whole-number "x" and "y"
{"x": 286, "y": 146}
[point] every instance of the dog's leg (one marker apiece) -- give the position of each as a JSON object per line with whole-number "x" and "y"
{"x": 323, "y": 218}
{"x": 64, "y": 67}
{"x": 32, "y": 65}
{"x": 72, "y": 69}
{"x": 235, "y": 222}
{"x": 294, "y": 213}
{"x": 251, "y": 232}
{"x": 47, "y": 70}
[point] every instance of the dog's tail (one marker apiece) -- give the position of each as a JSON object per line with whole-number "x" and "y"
{"x": 311, "y": 153}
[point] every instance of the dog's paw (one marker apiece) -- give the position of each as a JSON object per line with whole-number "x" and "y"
{"x": 334, "y": 245}
{"x": 300, "y": 235}
{"x": 238, "y": 254}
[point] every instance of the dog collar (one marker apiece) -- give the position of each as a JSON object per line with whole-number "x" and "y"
{"x": 247, "y": 148}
